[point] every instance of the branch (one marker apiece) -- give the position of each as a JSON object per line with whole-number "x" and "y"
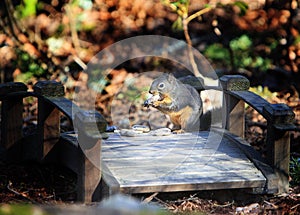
{"x": 197, "y": 14}
{"x": 18, "y": 193}
{"x": 190, "y": 50}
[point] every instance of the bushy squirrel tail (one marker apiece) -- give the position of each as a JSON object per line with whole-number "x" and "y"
{"x": 211, "y": 118}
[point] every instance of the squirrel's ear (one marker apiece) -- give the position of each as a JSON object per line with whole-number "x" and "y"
{"x": 171, "y": 77}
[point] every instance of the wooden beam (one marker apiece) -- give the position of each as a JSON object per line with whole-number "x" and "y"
{"x": 90, "y": 125}
{"x": 278, "y": 139}
{"x": 234, "y": 111}
{"x": 48, "y": 131}
{"x": 11, "y": 113}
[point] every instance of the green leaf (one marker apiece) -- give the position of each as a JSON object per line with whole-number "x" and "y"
{"x": 241, "y": 43}
{"x": 243, "y": 7}
{"x": 178, "y": 25}
{"x": 27, "y": 8}
{"x": 217, "y": 52}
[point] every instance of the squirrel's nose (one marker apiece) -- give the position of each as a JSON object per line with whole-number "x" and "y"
{"x": 151, "y": 91}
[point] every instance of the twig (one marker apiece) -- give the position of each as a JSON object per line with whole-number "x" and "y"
{"x": 197, "y": 14}
{"x": 271, "y": 204}
{"x": 150, "y": 198}
{"x": 185, "y": 22}
{"x": 161, "y": 202}
{"x": 223, "y": 206}
{"x": 79, "y": 62}
{"x": 72, "y": 21}
{"x": 191, "y": 198}
{"x": 10, "y": 21}
{"x": 190, "y": 51}
{"x": 18, "y": 193}
{"x": 295, "y": 206}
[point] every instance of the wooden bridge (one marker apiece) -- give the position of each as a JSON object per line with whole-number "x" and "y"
{"x": 208, "y": 160}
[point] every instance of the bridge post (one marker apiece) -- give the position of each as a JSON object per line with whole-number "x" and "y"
{"x": 234, "y": 116}
{"x": 48, "y": 130}
{"x": 90, "y": 125}
{"x": 279, "y": 122}
{"x": 11, "y": 113}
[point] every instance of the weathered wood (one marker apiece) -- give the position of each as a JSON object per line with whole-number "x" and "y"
{"x": 234, "y": 115}
{"x": 234, "y": 83}
{"x": 278, "y": 140}
{"x": 49, "y": 89}
{"x": 252, "y": 99}
{"x": 234, "y": 112}
{"x": 155, "y": 164}
{"x": 90, "y": 125}
{"x": 48, "y": 131}
{"x": 11, "y": 87}
{"x": 110, "y": 183}
{"x": 67, "y": 107}
{"x": 11, "y": 114}
{"x": 273, "y": 181}
{"x": 176, "y": 163}
{"x": 279, "y": 114}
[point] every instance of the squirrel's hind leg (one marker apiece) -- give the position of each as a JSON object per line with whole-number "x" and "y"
{"x": 178, "y": 131}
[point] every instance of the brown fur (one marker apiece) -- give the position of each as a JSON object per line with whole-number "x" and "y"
{"x": 182, "y": 103}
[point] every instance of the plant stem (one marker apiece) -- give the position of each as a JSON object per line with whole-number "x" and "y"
{"x": 72, "y": 21}
{"x": 190, "y": 51}
{"x": 185, "y": 22}
{"x": 197, "y": 14}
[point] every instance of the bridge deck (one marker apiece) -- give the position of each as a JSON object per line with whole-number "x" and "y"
{"x": 182, "y": 162}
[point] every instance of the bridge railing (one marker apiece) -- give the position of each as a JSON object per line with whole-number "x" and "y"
{"x": 48, "y": 143}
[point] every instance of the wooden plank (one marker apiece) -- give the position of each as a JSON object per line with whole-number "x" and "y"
{"x": 11, "y": 122}
{"x": 252, "y": 99}
{"x": 133, "y": 179}
{"x": 278, "y": 141}
{"x": 48, "y": 130}
{"x": 271, "y": 176}
{"x": 90, "y": 149}
{"x": 168, "y": 163}
{"x": 209, "y": 185}
{"x": 153, "y": 166}
{"x": 65, "y": 106}
{"x": 170, "y": 158}
{"x": 183, "y": 182}
{"x": 191, "y": 178}
{"x": 89, "y": 173}
{"x": 186, "y": 169}
{"x": 235, "y": 115}
{"x": 110, "y": 180}
{"x": 11, "y": 113}
{"x": 192, "y": 182}
{"x": 181, "y": 139}
{"x": 156, "y": 150}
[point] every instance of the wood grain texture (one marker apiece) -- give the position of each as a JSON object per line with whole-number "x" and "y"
{"x": 177, "y": 163}
{"x": 234, "y": 115}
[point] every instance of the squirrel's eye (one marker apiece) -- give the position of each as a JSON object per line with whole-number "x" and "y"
{"x": 161, "y": 85}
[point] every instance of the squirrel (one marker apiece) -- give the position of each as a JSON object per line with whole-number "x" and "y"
{"x": 181, "y": 102}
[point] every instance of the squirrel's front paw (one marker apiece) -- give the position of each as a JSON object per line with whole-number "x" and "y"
{"x": 147, "y": 103}
{"x": 156, "y": 103}
{"x": 152, "y": 101}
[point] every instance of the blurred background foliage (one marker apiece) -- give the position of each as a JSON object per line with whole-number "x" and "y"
{"x": 55, "y": 39}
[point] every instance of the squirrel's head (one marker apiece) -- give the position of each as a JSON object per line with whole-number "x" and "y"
{"x": 163, "y": 84}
